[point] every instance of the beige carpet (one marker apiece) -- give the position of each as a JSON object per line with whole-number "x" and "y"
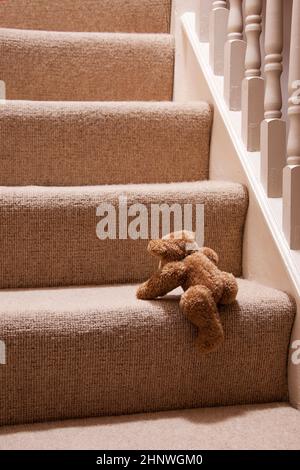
{"x": 48, "y": 234}
{"x": 45, "y": 66}
{"x": 273, "y": 426}
{"x": 96, "y": 351}
{"x": 103, "y": 142}
{"x": 140, "y": 16}
{"x": 84, "y": 352}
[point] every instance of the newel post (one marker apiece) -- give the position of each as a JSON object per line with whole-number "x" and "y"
{"x": 291, "y": 173}
{"x": 253, "y": 83}
{"x": 234, "y": 56}
{"x": 273, "y": 128}
{"x": 217, "y": 35}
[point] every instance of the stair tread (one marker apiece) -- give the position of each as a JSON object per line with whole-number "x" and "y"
{"x": 220, "y": 188}
{"x": 77, "y": 143}
{"x": 68, "y": 66}
{"x": 48, "y": 234}
{"x": 116, "y": 298}
{"x": 143, "y": 16}
{"x": 91, "y": 351}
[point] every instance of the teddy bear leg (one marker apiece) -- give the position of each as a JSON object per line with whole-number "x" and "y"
{"x": 198, "y": 305}
{"x": 230, "y": 289}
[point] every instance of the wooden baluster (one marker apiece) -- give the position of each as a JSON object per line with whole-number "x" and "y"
{"x": 205, "y": 7}
{"x": 273, "y": 128}
{"x": 217, "y": 35}
{"x": 291, "y": 173}
{"x": 234, "y": 56}
{"x": 253, "y": 84}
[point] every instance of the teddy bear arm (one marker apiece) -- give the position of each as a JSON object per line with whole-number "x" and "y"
{"x": 230, "y": 289}
{"x": 171, "y": 276}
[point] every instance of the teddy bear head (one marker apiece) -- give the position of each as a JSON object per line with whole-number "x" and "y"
{"x": 173, "y": 247}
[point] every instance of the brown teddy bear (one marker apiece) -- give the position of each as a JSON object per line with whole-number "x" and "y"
{"x": 183, "y": 263}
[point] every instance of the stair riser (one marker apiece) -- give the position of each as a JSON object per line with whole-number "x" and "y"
{"x": 86, "y": 67}
{"x": 141, "y": 16}
{"x": 61, "y": 366}
{"x": 56, "y": 144}
{"x": 48, "y": 236}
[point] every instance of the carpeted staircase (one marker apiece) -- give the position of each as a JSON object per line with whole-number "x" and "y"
{"x": 89, "y": 118}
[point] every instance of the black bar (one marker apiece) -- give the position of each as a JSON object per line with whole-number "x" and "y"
{"x": 130, "y": 459}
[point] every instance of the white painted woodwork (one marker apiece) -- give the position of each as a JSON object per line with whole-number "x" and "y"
{"x": 234, "y": 56}
{"x": 252, "y": 111}
{"x": 179, "y": 8}
{"x": 253, "y": 28}
{"x": 273, "y": 148}
{"x": 291, "y": 174}
{"x": 266, "y": 256}
{"x": 287, "y": 22}
{"x": 273, "y": 58}
{"x": 273, "y": 128}
{"x": 253, "y": 83}
{"x": 218, "y": 21}
{"x": 205, "y": 7}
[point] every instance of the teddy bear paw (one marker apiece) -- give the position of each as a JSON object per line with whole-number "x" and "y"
{"x": 142, "y": 293}
{"x": 209, "y": 343}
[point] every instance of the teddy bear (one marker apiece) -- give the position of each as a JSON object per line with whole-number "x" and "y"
{"x": 183, "y": 263}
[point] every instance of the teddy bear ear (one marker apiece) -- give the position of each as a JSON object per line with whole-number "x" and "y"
{"x": 211, "y": 255}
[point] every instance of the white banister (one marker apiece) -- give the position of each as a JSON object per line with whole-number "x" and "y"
{"x": 234, "y": 56}
{"x": 253, "y": 9}
{"x": 235, "y": 20}
{"x": 291, "y": 174}
{"x": 205, "y": 7}
{"x": 273, "y": 128}
{"x": 217, "y": 35}
{"x": 253, "y": 83}
{"x": 273, "y": 58}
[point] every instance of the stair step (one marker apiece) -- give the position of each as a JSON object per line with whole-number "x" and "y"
{"x": 77, "y": 143}
{"x": 95, "y": 351}
{"x": 43, "y": 65}
{"x": 48, "y": 234}
{"x": 141, "y": 16}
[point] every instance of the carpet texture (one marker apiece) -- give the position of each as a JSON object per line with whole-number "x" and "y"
{"x": 274, "y": 426}
{"x": 89, "y": 120}
{"x": 140, "y": 16}
{"x": 83, "y": 352}
{"x": 49, "y": 236}
{"x": 54, "y": 143}
{"x": 39, "y": 65}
